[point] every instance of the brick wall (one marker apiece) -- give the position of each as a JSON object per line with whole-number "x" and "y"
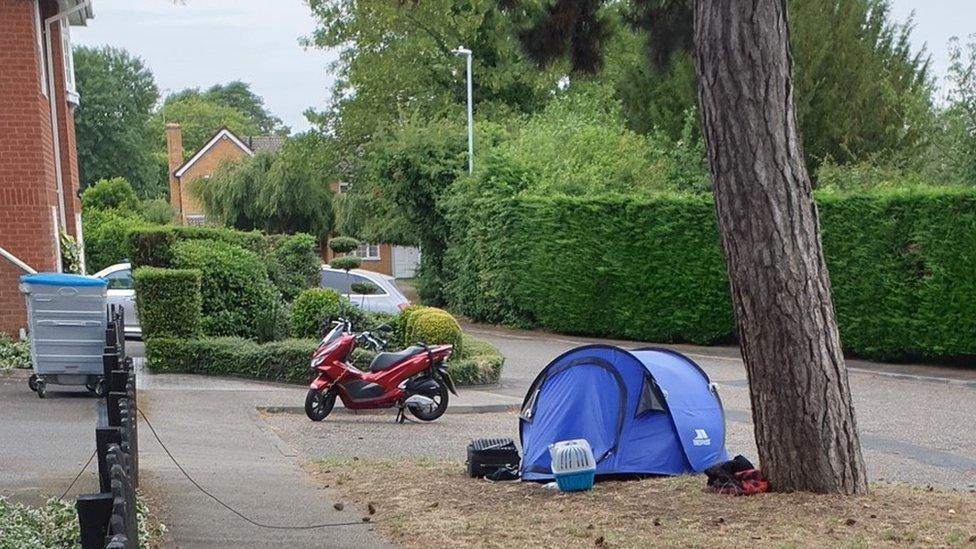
{"x": 222, "y": 151}
{"x": 383, "y": 265}
{"x": 28, "y": 189}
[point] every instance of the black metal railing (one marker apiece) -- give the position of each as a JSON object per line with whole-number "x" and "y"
{"x": 108, "y": 518}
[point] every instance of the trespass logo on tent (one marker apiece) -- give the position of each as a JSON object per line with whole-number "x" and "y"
{"x": 701, "y": 438}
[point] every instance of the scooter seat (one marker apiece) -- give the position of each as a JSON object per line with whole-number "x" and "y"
{"x": 387, "y": 360}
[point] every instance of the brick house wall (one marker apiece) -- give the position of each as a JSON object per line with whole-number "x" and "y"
{"x": 28, "y": 184}
{"x": 222, "y": 151}
{"x": 383, "y": 265}
{"x": 212, "y": 156}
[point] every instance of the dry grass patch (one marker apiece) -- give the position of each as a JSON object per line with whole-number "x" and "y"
{"x": 432, "y": 503}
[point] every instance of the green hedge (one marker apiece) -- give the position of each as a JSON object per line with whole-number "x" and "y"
{"x": 902, "y": 265}
{"x": 236, "y": 290}
{"x": 288, "y": 361}
{"x": 477, "y": 362}
{"x": 310, "y": 309}
{"x": 168, "y": 301}
{"x": 293, "y": 263}
{"x": 106, "y": 233}
{"x": 153, "y": 246}
{"x": 285, "y": 361}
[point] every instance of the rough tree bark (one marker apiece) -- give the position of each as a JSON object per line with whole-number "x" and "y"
{"x": 801, "y": 400}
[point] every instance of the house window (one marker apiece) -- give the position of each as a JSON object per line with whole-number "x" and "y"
{"x": 343, "y": 187}
{"x": 368, "y": 252}
{"x": 196, "y": 219}
{"x": 69, "y": 63}
{"x": 42, "y": 59}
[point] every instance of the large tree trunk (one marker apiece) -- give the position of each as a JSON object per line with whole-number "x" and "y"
{"x": 801, "y": 401}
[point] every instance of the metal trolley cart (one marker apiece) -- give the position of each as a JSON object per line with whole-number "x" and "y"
{"x": 66, "y": 317}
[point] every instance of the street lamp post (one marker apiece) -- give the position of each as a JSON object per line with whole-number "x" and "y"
{"x": 467, "y": 54}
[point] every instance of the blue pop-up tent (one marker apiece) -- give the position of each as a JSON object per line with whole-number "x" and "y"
{"x": 644, "y": 412}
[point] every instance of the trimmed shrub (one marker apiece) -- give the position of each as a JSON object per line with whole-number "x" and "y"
{"x": 249, "y": 240}
{"x": 286, "y": 361}
{"x": 293, "y": 263}
{"x": 651, "y": 268}
{"x": 106, "y": 236}
{"x": 478, "y": 363}
{"x": 343, "y": 244}
{"x": 311, "y": 309}
{"x": 345, "y": 263}
{"x": 433, "y": 326}
{"x": 236, "y": 289}
{"x": 169, "y": 301}
{"x": 110, "y": 194}
{"x": 151, "y": 246}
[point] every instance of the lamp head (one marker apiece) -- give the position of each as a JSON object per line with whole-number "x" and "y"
{"x": 461, "y": 51}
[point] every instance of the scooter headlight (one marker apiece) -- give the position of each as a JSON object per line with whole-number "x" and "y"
{"x": 317, "y": 360}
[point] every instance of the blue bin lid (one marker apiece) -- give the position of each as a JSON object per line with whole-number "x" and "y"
{"x": 61, "y": 279}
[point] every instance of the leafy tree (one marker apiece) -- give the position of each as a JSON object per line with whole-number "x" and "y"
{"x": 231, "y": 193}
{"x": 112, "y": 126}
{"x": 200, "y": 119}
{"x": 396, "y": 63}
{"x": 412, "y": 170}
{"x": 952, "y": 157}
{"x": 109, "y": 194}
{"x": 801, "y": 402}
{"x": 861, "y": 93}
{"x": 860, "y": 90}
{"x": 287, "y": 192}
{"x": 239, "y": 96}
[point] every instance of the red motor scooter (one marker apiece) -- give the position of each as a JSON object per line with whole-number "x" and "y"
{"x": 414, "y": 379}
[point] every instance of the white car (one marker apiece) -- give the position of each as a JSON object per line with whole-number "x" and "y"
{"x": 121, "y": 293}
{"x": 385, "y": 299}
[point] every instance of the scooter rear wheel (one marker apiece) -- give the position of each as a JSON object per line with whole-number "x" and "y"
{"x": 440, "y": 404}
{"x": 319, "y": 404}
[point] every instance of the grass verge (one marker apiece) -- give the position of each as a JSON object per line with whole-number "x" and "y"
{"x": 432, "y": 503}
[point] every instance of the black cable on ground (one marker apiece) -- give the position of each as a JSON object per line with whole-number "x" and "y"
{"x": 228, "y": 507}
{"x": 78, "y": 476}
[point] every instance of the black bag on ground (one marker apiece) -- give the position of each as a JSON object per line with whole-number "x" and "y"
{"x": 493, "y": 458}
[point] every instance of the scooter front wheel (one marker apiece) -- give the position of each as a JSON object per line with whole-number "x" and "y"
{"x": 319, "y": 404}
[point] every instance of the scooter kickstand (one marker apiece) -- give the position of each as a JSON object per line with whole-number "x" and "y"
{"x": 401, "y": 417}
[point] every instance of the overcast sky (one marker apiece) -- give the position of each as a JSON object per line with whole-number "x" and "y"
{"x": 196, "y": 43}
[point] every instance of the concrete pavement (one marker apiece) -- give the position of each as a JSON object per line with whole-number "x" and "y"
{"x": 44, "y": 443}
{"x": 213, "y": 428}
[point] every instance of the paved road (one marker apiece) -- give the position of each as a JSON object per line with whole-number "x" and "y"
{"x": 912, "y": 430}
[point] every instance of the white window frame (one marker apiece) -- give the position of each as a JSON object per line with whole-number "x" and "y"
{"x": 196, "y": 220}
{"x": 42, "y": 58}
{"x": 368, "y": 252}
{"x": 68, "y": 61}
{"x": 344, "y": 187}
